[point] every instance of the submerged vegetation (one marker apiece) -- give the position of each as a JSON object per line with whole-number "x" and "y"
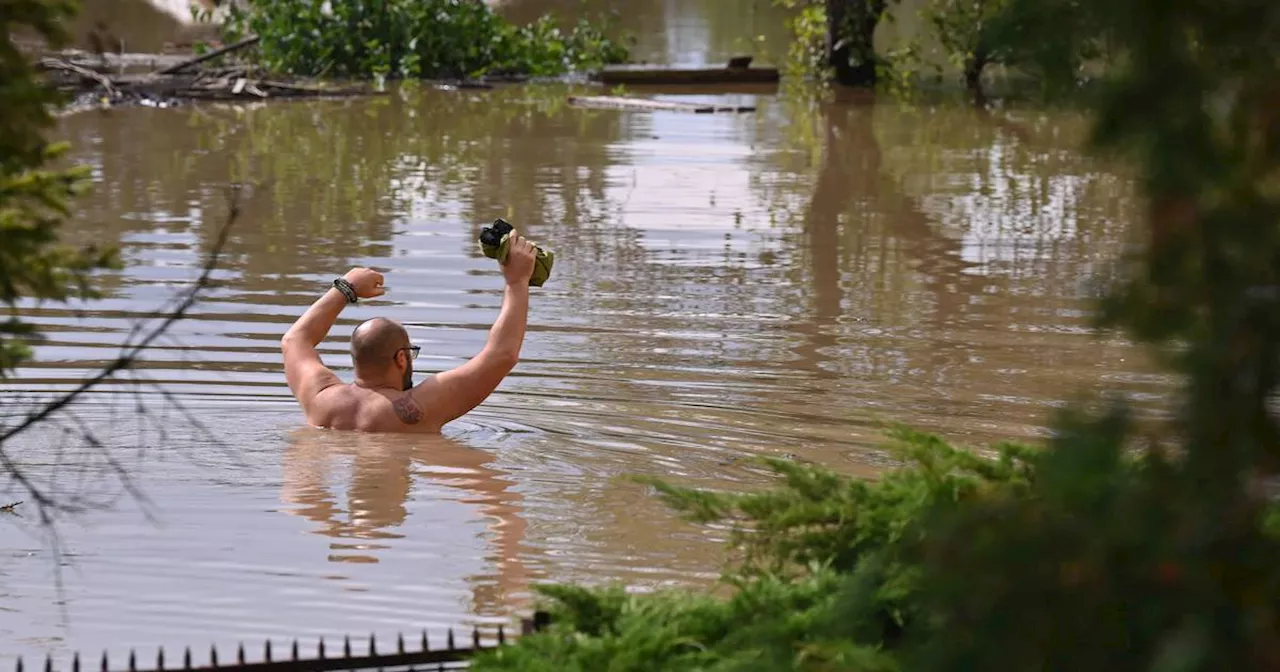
{"x": 415, "y": 39}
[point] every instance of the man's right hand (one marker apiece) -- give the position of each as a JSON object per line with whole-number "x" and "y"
{"x": 366, "y": 281}
{"x": 520, "y": 256}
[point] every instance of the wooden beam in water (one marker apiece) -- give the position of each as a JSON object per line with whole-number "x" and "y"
{"x": 646, "y": 74}
{"x": 646, "y": 105}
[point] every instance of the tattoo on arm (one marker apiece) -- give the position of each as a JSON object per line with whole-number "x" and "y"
{"x": 407, "y": 409}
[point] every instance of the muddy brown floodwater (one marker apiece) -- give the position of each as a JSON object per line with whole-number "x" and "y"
{"x": 727, "y": 285}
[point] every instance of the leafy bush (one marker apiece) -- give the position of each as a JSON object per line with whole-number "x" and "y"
{"x": 807, "y": 52}
{"x": 770, "y": 624}
{"x": 1049, "y": 40}
{"x": 1109, "y": 562}
{"x": 414, "y": 38}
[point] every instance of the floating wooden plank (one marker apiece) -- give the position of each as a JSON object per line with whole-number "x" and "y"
{"x": 700, "y": 89}
{"x": 647, "y": 105}
{"x": 647, "y": 74}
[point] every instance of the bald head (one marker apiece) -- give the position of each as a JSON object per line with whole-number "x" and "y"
{"x": 374, "y": 344}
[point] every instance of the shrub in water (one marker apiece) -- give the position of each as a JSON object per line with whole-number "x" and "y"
{"x": 414, "y": 38}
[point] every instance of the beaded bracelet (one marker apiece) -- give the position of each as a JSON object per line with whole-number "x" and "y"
{"x": 346, "y": 288}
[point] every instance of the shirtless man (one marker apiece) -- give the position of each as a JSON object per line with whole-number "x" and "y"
{"x": 383, "y": 397}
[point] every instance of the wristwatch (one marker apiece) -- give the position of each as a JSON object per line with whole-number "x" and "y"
{"x": 346, "y": 288}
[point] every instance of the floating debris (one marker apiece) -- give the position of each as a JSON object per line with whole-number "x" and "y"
{"x": 96, "y": 85}
{"x": 737, "y": 71}
{"x": 649, "y": 105}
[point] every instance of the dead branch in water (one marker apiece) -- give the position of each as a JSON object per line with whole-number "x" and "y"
{"x": 84, "y": 73}
{"x": 246, "y": 42}
{"x": 180, "y": 81}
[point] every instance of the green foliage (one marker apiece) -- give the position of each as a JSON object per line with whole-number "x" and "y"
{"x": 414, "y": 39}
{"x": 825, "y": 579}
{"x": 770, "y": 624}
{"x": 820, "y": 517}
{"x": 964, "y": 29}
{"x": 1049, "y": 44}
{"x": 807, "y": 53}
{"x": 34, "y": 199}
{"x": 1053, "y": 41}
{"x": 1108, "y": 563}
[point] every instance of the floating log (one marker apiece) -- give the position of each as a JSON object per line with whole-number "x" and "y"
{"x": 647, "y": 74}
{"x": 647, "y": 105}
{"x": 113, "y": 63}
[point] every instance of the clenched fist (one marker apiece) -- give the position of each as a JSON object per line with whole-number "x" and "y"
{"x": 366, "y": 281}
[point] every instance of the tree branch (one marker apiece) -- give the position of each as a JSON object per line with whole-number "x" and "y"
{"x": 131, "y": 352}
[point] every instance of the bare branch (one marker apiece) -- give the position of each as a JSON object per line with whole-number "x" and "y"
{"x": 45, "y": 502}
{"x": 127, "y": 359}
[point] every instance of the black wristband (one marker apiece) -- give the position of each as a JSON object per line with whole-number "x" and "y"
{"x": 346, "y": 289}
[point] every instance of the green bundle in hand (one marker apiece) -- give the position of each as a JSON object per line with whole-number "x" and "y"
{"x": 495, "y": 240}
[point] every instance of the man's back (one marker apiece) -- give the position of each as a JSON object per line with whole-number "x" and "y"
{"x": 348, "y": 406}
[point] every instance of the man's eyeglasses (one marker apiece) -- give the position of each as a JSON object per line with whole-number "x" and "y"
{"x": 413, "y": 350}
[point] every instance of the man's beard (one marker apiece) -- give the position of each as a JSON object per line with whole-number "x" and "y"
{"x": 408, "y": 379}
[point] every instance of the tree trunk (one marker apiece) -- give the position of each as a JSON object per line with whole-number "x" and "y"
{"x": 973, "y": 68}
{"x": 851, "y": 30}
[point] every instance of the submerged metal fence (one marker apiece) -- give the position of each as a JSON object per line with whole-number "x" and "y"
{"x": 418, "y": 655}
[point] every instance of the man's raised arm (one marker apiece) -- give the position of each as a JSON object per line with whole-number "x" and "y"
{"x": 453, "y": 393}
{"x": 306, "y": 374}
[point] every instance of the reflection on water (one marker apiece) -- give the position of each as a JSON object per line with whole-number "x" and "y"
{"x": 377, "y": 474}
{"x": 726, "y": 285}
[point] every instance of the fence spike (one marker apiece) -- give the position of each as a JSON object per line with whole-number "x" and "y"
{"x": 475, "y": 637}
{"x": 105, "y": 665}
{"x": 75, "y": 662}
{"x": 240, "y": 653}
{"x": 502, "y": 636}
{"x": 426, "y": 646}
{"x": 133, "y": 661}
{"x": 373, "y": 645}
{"x": 295, "y": 650}
{"x": 450, "y": 640}
{"x": 19, "y": 667}
{"x": 213, "y": 655}
{"x": 399, "y": 643}
{"x": 321, "y": 647}
{"x": 186, "y": 659}
{"x": 160, "y": 659}
{"x": 266, "y": 650}
{"x": 48, "y": 663}
{"x": 346, "y": 646}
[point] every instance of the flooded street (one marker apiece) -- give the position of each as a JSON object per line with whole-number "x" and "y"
{"x": 780, "y": 282}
